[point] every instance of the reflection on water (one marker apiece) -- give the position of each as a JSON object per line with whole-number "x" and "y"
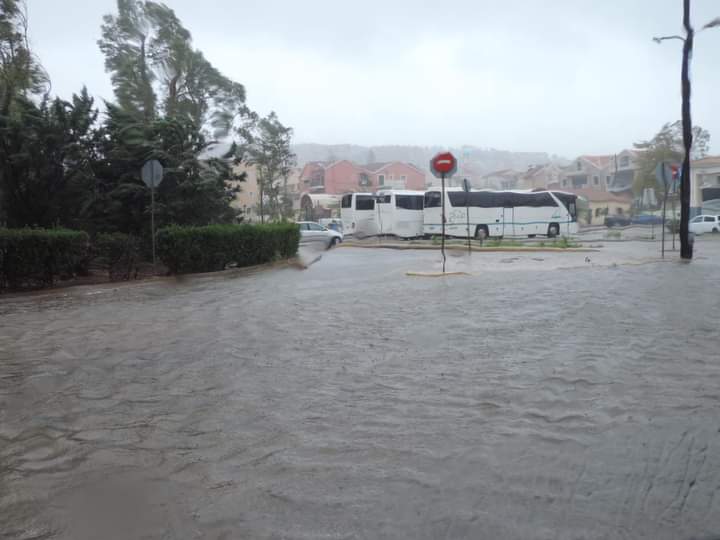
{"x": 348, "y": 401}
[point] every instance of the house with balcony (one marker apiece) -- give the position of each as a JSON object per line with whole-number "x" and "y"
{"x": 396, "y": 175}
{"x": 625, "y": 166}
{"x": 588, "y": 172}
{"x": 345, "y": 176}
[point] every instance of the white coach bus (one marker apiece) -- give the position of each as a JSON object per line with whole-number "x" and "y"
{"x": 359, "y": 215}
{"x": 501, "y": 213}
{"x": 400, "y": 213}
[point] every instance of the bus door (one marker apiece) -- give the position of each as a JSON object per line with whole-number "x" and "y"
{"x": 508, "y": 221}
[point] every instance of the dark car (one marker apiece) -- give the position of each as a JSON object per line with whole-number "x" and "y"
{"x": 647, "y": 219}
{"x": 617, "y": 221}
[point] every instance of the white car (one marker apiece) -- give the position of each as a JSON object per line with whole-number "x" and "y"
{"x": 704, "y": 223}
{"x": 311, "y": 232}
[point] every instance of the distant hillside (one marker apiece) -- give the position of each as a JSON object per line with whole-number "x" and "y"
{"x": 484, "y": 160}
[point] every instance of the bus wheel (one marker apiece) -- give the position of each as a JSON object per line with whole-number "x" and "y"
{"x": 553, "y": 230}
{"x": 481, "y": 232}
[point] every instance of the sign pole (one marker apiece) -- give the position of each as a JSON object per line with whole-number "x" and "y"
{"x": 443, "y": 165}
{"x": 665, "y": 186}
{"x": 443, "y": 221}
{"x": 152, "y": 223}
{"x": 467, "y": 216}
{"x": 151, "y": 175}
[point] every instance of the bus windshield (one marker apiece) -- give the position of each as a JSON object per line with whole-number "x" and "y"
{"x": 432, "y": 199}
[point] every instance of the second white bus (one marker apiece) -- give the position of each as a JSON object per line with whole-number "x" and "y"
{"x": 400, "y": 213}
{"x": 501, "y": 213}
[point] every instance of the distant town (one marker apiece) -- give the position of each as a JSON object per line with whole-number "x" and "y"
{"x": 605, "y": 181}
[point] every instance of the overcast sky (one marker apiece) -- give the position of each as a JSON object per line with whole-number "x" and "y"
{"x": 560, "y": 76}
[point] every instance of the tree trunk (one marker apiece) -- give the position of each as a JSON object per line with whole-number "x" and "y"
{"x": 686, "y": 248}
{"x": 148, "y": 98}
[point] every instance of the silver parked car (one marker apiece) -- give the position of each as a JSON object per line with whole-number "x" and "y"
{"x": 311, "y": 232}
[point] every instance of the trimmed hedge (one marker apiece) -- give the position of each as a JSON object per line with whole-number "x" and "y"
{"x": 119, "y": 254}
{"x": 214, "y": 247}
{"x": 35, "y": 257}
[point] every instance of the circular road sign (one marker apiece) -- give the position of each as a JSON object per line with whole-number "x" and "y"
{"x": 443, "y": 164}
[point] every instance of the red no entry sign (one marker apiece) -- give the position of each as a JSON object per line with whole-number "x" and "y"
{"x": 443, "y": 164}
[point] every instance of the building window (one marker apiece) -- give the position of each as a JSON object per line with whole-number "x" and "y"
{"x": 403, "y": 178}
{"x": 596, "y": 180}
{"x": 607, "y": 180}
{"x": 564, "y": 183}
{"x": 579, "y": 166}
{"x": 381, "y": 179}
{"x": 598, "y": 212}
{"x": 624, "y": 161}
{"x": 619, "y": 211}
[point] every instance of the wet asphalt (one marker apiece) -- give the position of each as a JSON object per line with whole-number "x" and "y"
{"x": 542, "y": 396}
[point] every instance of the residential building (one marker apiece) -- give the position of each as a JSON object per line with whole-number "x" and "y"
{"x": 624, "y": 167}
{"x": 588, "y": 172}
{"x": 247, "y": 200}
{"x": 502, "y": 179}
{"x": 345, "y": 176}
{"x": 541, "y": 177}
{"x": 600, "y": 204}
{"x": 397, "y": 175}
{"x": 705, "y": 186}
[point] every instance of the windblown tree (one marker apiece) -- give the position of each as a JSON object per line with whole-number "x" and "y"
{"x": 266, "y": 145}
{"x": 666, "y": 145}
{"x": 21, "y": 75}
{"x": 156, "y": 71}
{"x": 194, "y": 188}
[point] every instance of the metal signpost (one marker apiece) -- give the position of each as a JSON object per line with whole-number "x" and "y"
{"x": 443, "y": 165}
{"x": 466, "y": 189}
{"x": 662, "y": 178}
{"x": 665, "y": 174}
{"x": 152, "y": 174}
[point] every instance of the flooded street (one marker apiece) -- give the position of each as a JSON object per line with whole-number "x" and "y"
{"x": 543, "y": 396}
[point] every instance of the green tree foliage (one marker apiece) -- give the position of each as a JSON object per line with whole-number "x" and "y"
{"x": 21, "y": 75}
{"x": 156, "y": 71}
{"x": 266, "y": 145}
{"x": 47, "y": 154}
{"x": 666, "y": 145}
{"x": 193, "y": 192}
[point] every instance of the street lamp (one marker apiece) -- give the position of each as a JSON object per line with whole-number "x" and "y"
{"x": 686, "y": 248}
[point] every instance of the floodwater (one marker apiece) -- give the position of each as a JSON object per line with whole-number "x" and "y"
{"x": 351, "y": 401}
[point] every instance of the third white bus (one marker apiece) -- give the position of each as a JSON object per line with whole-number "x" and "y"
{"x": 501, "y": 213}
{"x": 358, "y": 213}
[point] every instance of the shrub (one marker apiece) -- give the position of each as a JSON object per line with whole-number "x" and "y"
{"x": 673, "y": 226}
{"x": 35, "y": 257}
{"x": 565, "y": 243}
{"x": 214, "y": 247}
{"x": 119, "y": 254}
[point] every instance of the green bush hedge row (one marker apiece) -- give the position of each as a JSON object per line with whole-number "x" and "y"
{"x": 35, "y": 257}
{"x": 119, "y": 254}
{"x": 214, "y": 247}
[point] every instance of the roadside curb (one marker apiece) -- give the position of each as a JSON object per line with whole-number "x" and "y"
{"x": 95, "y": 288}
{"x": 517, "y": 249}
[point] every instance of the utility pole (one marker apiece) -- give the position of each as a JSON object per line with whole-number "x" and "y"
{"x": 686, "y": 247}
